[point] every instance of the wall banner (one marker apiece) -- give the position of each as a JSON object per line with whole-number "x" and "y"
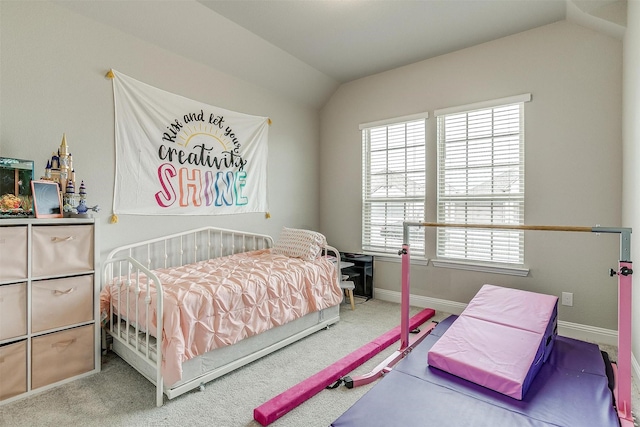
{"x": 176, "y": 156}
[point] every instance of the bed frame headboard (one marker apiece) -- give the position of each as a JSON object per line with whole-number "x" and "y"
{"x": 191, "y": 246}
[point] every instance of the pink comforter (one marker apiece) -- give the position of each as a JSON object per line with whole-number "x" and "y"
{"x": 219, "y": 302}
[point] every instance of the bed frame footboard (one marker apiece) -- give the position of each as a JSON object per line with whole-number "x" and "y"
{"x": 126, "y": 275}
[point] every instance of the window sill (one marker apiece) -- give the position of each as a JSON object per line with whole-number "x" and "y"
{"x": 484, "y": 268}
{"x": 391, "y": 258}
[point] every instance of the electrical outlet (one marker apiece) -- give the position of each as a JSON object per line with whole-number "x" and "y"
{"x": 567, "y": 299}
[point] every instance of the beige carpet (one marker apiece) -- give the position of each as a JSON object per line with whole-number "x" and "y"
{"x": 119, "y": 396}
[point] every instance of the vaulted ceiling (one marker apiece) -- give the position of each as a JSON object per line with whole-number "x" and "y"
{"x": 305, "y": 49}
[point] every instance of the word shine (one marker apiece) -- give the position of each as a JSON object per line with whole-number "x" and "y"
{"x": 192, "y": 187}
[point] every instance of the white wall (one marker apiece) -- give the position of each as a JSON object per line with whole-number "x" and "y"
{"x": 631, "y": 189}
{"x": 53, "y": 81}
{"x": 572, "y": 151}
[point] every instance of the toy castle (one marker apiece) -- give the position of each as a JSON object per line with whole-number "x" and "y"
{"x": 60, "y": 166}
{"x": 60, "y": 169}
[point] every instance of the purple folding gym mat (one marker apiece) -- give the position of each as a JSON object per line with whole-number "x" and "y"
{"x": 570, "y": 390}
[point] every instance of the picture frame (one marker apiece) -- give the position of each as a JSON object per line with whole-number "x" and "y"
{"x": 47, "y": 202}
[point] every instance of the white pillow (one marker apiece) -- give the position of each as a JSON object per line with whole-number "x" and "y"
{"x": 297, "y": 243}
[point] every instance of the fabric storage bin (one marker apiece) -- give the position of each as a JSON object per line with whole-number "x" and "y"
{"x": 61, "y": 302}
{"x": 13, "y": 369}
{"x": 61, "y": 355}
{"x": 13, "y": 310}
{"x": 61, "y": 250}
{"x": 13, "y": 253}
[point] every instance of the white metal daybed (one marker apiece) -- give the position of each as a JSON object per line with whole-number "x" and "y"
{"x": 193, "y": 257}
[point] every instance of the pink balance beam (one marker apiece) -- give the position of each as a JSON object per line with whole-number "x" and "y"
{"x": 275, "y": 408}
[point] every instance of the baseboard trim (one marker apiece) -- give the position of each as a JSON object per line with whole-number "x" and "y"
{"x": 567, "y": 329}
{"x": 421, "y": 301}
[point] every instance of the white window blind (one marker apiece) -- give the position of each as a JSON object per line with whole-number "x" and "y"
{"x": 393, "y": 184}
{"x": 481, "y": 181}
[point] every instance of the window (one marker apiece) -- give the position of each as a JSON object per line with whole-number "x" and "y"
{"x": 481, "y": 180}
{"x": 393, "y": 183}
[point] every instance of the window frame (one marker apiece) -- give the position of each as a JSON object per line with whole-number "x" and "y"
{"x": 478, "y": 263}
{"x": 388, "y": 246}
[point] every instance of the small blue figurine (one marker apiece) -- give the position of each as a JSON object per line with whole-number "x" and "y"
{"x": 82, "y": 207}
